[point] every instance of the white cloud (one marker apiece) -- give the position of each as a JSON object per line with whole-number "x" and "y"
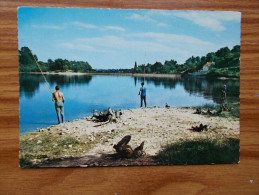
{"x": 114, "y": 28}
{"x": 211, "y": 20}
{"x": 146, "y": 18}
{"x": 83, "y": 25}
{"x": 169, "y": 39}
{"x": 48, "y": 27}
{"x": 160, "y": 12}
{"x": 174, "y": 46}
{"x": 162, "y": 24}
{"x": 78, "y": 45}
{"x": 74, "y": 46}
{"x": 154, "y": 46}
{"x": 140, "y": 17}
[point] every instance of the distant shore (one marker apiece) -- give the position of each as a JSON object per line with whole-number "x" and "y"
{"x": 125, "y": 74}
{"x": 101, "y": 73}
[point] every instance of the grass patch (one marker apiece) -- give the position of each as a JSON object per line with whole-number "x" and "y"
{"x": 200, "y": 152}
{"x": 67, "y": 141}
{"x": 39, "y": 148}
{"x": 233, "y": 113}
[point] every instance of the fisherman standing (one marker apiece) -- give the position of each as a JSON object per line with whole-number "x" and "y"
{"x": 224, "y": 93}
{"x": 59, "y": 104}
{"x": 142, "y": 93}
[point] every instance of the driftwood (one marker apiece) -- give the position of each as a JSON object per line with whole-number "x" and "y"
{"x": 125, "y": 151}
{"x": 109, "y": 116}
{"x": 223, "y": 107}
{"x": 200, "y": 128}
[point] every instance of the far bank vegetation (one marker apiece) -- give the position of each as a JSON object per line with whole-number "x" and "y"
{"x": 226, "y": 64}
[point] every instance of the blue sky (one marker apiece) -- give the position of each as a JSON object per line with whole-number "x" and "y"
{"x": 116, "y": 38}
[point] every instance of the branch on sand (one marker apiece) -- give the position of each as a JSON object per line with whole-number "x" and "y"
{"x": 106, "y": 117}
{"x": 125, "y": 151}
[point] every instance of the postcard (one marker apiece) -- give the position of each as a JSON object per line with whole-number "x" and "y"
{"x": 128, "y": 87}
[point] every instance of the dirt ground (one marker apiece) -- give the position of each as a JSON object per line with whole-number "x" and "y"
{"x": 155, "y": 126}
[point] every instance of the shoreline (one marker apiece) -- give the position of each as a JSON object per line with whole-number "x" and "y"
{"x": 115, "y": 74}
{"x": 126, "y": 110}
{"x": 82, "y": 141}
{"x": 126, "y": 74}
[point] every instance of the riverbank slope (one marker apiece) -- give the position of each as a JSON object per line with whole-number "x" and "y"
{"x": 83, "y": 142}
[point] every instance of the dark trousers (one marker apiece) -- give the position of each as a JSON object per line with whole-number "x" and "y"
{"x": 59, "y": 106}
{"x": 143, "y": 98}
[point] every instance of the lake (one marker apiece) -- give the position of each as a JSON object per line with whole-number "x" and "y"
{"x": 85, "y": 94}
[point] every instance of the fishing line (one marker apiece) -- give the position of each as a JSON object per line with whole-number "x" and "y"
{"x": 41, "y": 72}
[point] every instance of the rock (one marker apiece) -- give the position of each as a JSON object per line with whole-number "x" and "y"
{"x": 70, "y": 146}
{"x": 35, "y": 161}
{"x": 91, "y": 138}
{"x": 39, "y": 142}
{"x": 30, "y": 139}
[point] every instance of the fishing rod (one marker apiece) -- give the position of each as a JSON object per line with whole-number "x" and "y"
{"x": 41, "y": 72}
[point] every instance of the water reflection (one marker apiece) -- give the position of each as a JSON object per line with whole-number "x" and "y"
{"x": 29, "y": 83}
{"x": 86, "y": 93}
{"x": 207, "y": 88}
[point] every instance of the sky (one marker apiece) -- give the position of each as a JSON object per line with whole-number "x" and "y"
{"x": 116, "y": 38}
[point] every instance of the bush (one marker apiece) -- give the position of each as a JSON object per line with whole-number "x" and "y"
{"x": 200, "y": 152}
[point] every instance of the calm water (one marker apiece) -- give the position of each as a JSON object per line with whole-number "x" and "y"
{"x": 86, "y": 94}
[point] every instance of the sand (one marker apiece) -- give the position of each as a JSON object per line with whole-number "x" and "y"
{"x": 155, "y": 126}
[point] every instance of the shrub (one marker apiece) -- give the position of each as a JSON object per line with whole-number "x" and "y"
{"x": 200, "y": 152}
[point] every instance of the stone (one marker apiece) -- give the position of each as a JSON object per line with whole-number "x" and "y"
{"x": 39, "y": 142}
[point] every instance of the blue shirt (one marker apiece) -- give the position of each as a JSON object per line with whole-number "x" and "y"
{"x": 143, "y": 91}
{"x": 224, "y": 89}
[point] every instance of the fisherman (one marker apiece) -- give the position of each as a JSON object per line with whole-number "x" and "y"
{"x": 224, "y": 93}
{"x": 142, "y": 93}
{"x": 59, "y": 104}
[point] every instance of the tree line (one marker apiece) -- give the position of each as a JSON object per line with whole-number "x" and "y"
{"x": 28, "y": 64}
{"x": 227, "y": 62}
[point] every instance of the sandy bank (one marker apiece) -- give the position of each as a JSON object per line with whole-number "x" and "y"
{"x": 155, "y": 126}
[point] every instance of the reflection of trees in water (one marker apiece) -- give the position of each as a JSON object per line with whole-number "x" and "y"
{"x": 212, "y": 88}
{"x": 209, "y": 89}
{"x": 29, "y": 83}
{"x": 65, "y": 80}
{"x": 158, "y": 81}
